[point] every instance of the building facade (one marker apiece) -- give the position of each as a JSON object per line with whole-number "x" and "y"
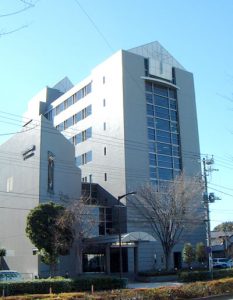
{"x": 132, "y": 121}
{"x": 34, "y": 169}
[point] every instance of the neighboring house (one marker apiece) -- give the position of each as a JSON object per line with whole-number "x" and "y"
{"x": 132, "y": 121}
{"x": 222, "y": 243}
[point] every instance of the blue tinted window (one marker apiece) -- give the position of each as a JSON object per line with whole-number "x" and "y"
{"x": 152, "y": 159}
{"x": 162, "y": 124}
{"x": 165, "y": 174}
{"x": 161, "y": 112}
{"x": 172, "y": 93}
{"x": 150, "y": 122}
{"x": 165, "y": 161}
{"x": 173, "y": 104}
{"x": 153, "y": 172}
{"x": 163, "y": 136}
{"x": 78, "y": 161}
{"x": 148, "y": 86}
{"x": 164, "y": 149}
{"x": 174, "y": 127}
{"x": 149, "y": 98}
{"x": 163, "y": 91}
{"x": 68, "y": 122}
{"x": 176, "y": 150}
{"x": 78, "y": 138}
{"x": 173, "y": 115}
{"x": 89, "y": 133}
{"x": 152, "y": 146}
{"x": 177, "y": 163}
{"x": 151, "y": 134}
{"x": 89, "y": 156}
{"x": 175, "y": 139}
{"x": 161, "y": 101}
{"x": 89, "y": 110}
{"x": 78, "y": 117}
{"x": 150, "y": 110}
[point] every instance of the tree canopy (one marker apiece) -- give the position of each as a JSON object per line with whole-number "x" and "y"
{"x": 225, "y": 226}
{"x": 48, "y": 232}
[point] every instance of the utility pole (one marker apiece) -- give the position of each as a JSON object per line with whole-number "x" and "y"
{"x": 208, "y": 198}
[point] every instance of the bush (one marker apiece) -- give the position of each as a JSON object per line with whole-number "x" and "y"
{"x": 189, "y": 276}
{"x": 42, "y": 286}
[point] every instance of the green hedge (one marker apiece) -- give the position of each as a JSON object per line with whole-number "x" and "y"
{"x": 190, "y": 276}
{"x": 42, "y": 286}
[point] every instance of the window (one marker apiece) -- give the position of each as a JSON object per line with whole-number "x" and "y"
{"x": 165, "y": 174}
{"x": 149, "y": 98}
{"x": 152, "y": 159}
{"x": 104, "y": 102}
{"x": 68, "y": 102}
{"x": 162, "y": 124}
{"x": 161, "y": 101}
{"x": 83, "y": 136}
{"x": 59, "y": 108}
{"x": 105, "y": 176}
{"x": 150, "y": 122}
{"x": 68, "y": 122}
{"x": 84, "y": 179}
{"x": 105, "y": 151}
{"x": 151, "y": 134}
{"x": 104, "y": 125}
{"x": 152, "y": 147}
{"x": 148, "y": 86}
{"x": 103, "y": 79}
{"x": 163, "y": 136}
{"x": 9, "y": 184}
{"x": 150, "y": 110}
{"x": 164, "y": 149}
{"x": 165, "y": 161}
{"x": 159, "y": 90}
{"x": 161, "y": 112}
{"x": 153, "y": 172}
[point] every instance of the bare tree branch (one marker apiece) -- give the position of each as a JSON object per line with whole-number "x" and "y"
{"x": 170, "y": 210}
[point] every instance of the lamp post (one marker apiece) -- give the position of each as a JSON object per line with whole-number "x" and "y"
{"x": 119, "y": 227}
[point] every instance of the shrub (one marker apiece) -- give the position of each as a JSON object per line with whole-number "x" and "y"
{"x": 189, "y": 276}
{"x": 42, "y": 286}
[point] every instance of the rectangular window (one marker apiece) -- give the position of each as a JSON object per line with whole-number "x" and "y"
{"x": 152, "y": 159}
{"x": 173, "y": 104}
{"x": 68, "y": 102}
{"x": 163, "y": 136}
{"x": 161, "y": 101}
{"x": 150, "y": 110}
{"x": 68, "y": 122}
{"x": 105, "y": 151}
{"x": 162, "y": 124}
{"x": 148, "y": 86}
{"x": 165, "y": 174}
{"x": 162, "y": 112}
{"x": 153, "y": 172}
{"x": 164, "y": 149}
{"x": 151, "y": 134}
{"x": 177, "y": 163}
{"x": 104, "y": 102}
{"x": 149, "y": 98}
{"x": 150, "y": 122}
{"x": 105, "y": 177}
{"x": 78, "y": 117}
{"x": 103, "y": 79}
{"x": 165, "y": 161}
{"x": 9, "y": 184}
{"x": 172, "y": 93}
{"x": 104, "y": 126}
{"x": 152, "y": 147}
{"x": 159, "y": 90}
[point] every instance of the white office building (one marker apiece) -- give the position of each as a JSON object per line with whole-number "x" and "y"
{"x": 133, "y": 120}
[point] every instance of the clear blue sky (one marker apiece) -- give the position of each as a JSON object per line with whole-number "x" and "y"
{"x": 60, "y": 39}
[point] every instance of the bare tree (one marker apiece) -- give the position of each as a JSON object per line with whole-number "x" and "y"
{"x": 82, "y": 216}
{"x": 169, "y": 210}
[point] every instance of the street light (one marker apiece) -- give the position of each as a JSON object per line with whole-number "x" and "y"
{"x": 119, "y": 227}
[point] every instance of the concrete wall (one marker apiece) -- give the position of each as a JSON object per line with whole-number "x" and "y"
{"x": 23, "y": 185}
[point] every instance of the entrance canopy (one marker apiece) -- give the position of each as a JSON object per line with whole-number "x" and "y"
{"x": 126, "y": 238}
